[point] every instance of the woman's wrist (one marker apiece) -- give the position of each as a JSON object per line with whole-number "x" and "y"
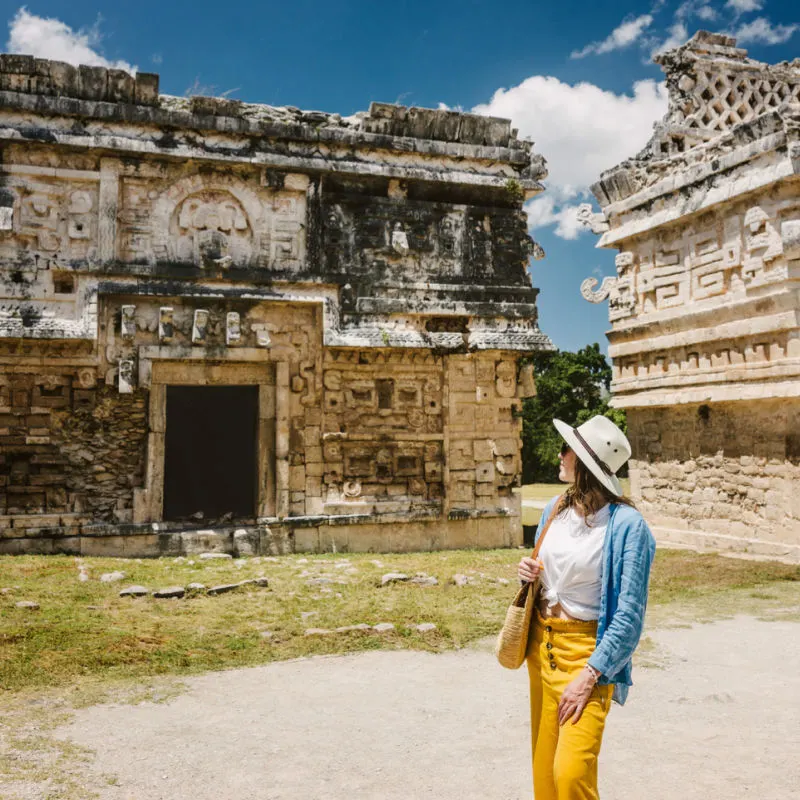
{"x": 592, "y": 672}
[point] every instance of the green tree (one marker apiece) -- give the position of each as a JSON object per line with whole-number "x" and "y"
{"x": 569, "y": 386}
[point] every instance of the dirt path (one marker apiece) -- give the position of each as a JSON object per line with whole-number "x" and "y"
{"x": 717, "y": 717}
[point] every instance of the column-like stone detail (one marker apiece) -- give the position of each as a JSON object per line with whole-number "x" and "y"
{"x": 108, "y": 209}
{"x": 282, "y": 411}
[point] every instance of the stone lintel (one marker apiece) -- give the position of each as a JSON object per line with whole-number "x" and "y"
{"x": 725, "y": 392}
{"x": 650, "y": 341}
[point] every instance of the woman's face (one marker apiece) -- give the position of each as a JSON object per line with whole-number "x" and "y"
{"x": 566, "y": 470}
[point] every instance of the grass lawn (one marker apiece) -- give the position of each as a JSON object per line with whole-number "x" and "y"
{"x": 86, "y": 630}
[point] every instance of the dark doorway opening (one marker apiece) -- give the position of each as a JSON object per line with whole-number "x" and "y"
{"x": 210, "y": 452}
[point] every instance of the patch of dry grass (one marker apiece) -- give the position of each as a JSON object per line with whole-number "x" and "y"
{"x": 84, "y": 629}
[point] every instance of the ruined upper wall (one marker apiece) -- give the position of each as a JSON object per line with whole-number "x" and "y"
{"x": 714, "y": 86}
{"x": 704, "y": 303}
{"x": 411, "y": 219}
{"x": 115, "y": 94}
{"x": 720, "y": 101}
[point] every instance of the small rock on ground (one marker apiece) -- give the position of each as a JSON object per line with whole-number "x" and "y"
{"x": 362, "y": 626}
{"x": 196, "y": 587}
{"x": 393, "y": 577}
{"x": 223, "y": 587}
{"x": 424, "y": 627}
{"x": 170, "y": 591}
{"x": 425, "y": 580}
{"x": 27, "y": 604}
{"x": 317, "y": 632}
{"x": 304, "y": 615}
{"x": 461, "y": 580}
{"x": 134, "y": 591}
{"x": 112, "y": 577}
{"x": 383, "y": 627}
{"x": 211, "y": 556}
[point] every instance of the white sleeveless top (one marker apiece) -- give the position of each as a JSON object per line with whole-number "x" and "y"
{"x": 572, "y": 555}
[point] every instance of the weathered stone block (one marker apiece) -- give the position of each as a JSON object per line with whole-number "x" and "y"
{"x": 146, "y": 89}
{"x": 92, "y": 82}
{"x": 121, "y": 86}
{"x": 206, "y": 541}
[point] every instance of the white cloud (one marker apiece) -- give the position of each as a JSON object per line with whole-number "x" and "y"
{"x": 623, "y": 35}
{"x": 545, "y": 210}
{"x": 678, "y": 35}
{"x": 47, "y": 37}
{"x": 744, "y": 6}
{"x": 707, "y": 13}
{"x": 581, "y": 130}
{"x": 762, "y": 31}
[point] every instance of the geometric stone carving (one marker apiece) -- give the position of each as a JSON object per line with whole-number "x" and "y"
{"x": 165, "y": 324}
{"x": 86, "y": 378}
{"x": 790, "y": 236}
{"x": 755, "y": 219}
{"x": 212, "y": 229}
{"x": 623, "y": 262}
{"x": 506, "y": 383}
{"x": 296, "y": 182}
{"x": 128, "y": 322}
{"x": 200, "y": 326}
{"x": 597, "y": 223}
{"x": 126, "y": 379}
{"x": 399, "y": 239}
{"x": 587, "y": 289}
{"x": 526, "y": 385}
{"x": 233, "y": 330}
{"x": 6, "y": 218}
{"x": 262, "y": 335}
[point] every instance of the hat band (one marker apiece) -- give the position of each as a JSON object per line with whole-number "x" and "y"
{"x": 600, "y": 463}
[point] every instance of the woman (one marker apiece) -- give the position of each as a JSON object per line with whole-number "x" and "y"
{"x": 594, "y": 566}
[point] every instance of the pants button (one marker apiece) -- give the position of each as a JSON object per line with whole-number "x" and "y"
{"x": 549, "y": 628}
{"x": 549, "y": 646}
{"x": 552, "y": 665}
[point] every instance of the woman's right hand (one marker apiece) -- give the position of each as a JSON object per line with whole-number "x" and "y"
{"x": 528, "y": 569}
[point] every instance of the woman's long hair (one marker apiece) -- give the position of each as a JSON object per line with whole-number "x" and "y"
{"x": 587, "y": 495}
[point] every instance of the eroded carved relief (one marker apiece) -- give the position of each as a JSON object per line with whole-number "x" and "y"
{"x": 211, "y": 228}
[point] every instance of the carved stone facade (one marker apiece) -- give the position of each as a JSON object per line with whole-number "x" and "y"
{"x": 705, "y": 309}
{"x": 349, "y": 298}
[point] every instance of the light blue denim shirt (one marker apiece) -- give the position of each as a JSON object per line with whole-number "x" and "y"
{"x": 628, "y": 553}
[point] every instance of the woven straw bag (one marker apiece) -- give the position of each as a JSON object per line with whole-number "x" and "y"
{"x": 512, "y": 641}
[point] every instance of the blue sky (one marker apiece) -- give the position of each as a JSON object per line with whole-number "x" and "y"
{"x": 575, "y": 77}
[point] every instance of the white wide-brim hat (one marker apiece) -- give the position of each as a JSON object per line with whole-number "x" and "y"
{"x": 601, "y": 446}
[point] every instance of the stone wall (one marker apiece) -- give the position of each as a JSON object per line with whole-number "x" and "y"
{"x": 366, "y": 277}
{"x": 705, "y": 332}
{"x": 71, "y": 449}
{"x": 729, "y": 470}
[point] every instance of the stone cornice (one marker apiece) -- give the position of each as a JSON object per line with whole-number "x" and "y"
{"x": 711, "y": 182}
{"x": 168, "y": 123}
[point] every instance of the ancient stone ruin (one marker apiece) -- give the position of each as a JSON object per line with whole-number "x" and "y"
{"x": 705, "y": 308}
{"x": 236, "y": 327}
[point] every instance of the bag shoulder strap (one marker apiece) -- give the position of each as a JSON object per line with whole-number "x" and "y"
{"x": 546, "y": 528}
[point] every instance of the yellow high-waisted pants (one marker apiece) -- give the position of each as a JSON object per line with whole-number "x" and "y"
{"x": 564, "y": 757}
